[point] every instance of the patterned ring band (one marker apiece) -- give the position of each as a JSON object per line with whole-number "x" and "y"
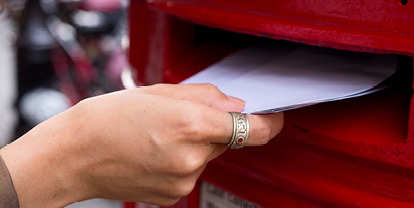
{"x": 240, "y": 131}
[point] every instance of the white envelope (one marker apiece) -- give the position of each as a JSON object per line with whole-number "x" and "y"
{"x": 272, "y": 78}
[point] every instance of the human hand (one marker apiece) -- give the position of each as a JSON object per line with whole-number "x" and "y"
{"x": 148, "y": 144}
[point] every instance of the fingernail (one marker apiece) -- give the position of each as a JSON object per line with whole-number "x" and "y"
{"x": 236, "y": 100}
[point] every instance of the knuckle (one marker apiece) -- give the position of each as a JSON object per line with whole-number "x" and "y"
{"x": 185, "y": 188}
{"x": 212, "y": 89}
{"x": 191, "y": 164}
{"x": 209, "y": 86}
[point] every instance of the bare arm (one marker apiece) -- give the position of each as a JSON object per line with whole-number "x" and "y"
{"x": 148, "y": 144}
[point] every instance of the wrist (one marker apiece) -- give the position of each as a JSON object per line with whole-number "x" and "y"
{"x": 43, "y": 166}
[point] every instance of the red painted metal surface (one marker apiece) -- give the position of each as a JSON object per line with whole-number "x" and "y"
{"x": 384, "y": 25}
{"x": 129, "y": 205}
{"x": 352, "y": 153}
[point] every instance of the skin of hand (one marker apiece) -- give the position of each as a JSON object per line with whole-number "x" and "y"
{"x": 148, "y": 144}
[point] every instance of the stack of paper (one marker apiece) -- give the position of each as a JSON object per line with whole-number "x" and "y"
{"x": 272, "y": 78}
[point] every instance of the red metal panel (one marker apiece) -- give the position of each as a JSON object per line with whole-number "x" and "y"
{"x": 332, "y": 165}
{"x": 384, "y": 25}
{"x": 129, "y": 205}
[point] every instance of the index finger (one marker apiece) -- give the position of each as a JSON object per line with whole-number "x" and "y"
{"x": 218, "y": 127}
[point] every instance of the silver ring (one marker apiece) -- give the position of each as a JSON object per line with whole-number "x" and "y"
{"x": 240, "y": 131}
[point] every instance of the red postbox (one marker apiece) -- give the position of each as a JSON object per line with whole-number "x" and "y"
{"x": 351, "y": 153}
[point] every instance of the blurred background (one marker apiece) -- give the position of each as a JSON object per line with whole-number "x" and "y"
{"x": 54, "y": 53}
